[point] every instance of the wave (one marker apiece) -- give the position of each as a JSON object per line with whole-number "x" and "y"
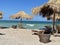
{"x": 30, "y": 24}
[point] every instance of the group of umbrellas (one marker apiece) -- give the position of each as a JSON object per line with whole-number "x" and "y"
{"x": 54, "y": 5}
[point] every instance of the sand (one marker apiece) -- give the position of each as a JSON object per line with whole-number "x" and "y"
{"x": 23, "y": 37}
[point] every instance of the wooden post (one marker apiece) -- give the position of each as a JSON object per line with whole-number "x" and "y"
{"x": 21, "y": 20}
{"x": 20, "y": 24}
{"x": 53, "y": 22}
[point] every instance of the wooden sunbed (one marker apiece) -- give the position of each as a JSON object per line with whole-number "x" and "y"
{"x": 1, "y": 27}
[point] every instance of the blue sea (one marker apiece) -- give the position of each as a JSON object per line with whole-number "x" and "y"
{"x": 26, "y": 24}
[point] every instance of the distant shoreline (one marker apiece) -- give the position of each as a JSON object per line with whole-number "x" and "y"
{"x": 28, "y": 21}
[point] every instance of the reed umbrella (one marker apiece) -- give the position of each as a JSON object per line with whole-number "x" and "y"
{"x": 21, "y": 15}
{"x": 47, "y": 10}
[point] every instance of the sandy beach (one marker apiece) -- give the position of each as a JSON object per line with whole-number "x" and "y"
{"x": 23, "y": 37}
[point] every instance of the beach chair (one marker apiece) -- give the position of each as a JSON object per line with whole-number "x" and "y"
{"x": 14, "y": 26}
{"x": 43, "y": 36}
{"x": 46, "y": 30}
{"x": 37, "y": 32}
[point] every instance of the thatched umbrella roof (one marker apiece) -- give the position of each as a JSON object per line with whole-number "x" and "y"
{"x": 53, "y": 5}
{"x": 1, "y": 15}
{"x": 21, "y": 14}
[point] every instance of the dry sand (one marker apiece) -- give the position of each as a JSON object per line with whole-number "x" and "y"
{"x": 23, "y": 37}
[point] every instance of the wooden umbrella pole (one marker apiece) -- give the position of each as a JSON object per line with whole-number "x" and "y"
{"x": 53, "y": 22}
{"x": 20, "y": 24}
{"x": 21, "y": 20}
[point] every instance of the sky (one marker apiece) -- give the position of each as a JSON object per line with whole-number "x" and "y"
{"x": 10, "y": 7}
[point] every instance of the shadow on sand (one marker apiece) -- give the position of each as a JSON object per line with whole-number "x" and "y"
{"x": 57, "y": 35}
{"x": 2, "y": 34}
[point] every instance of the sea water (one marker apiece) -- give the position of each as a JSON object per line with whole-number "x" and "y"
{"x": 27, "y": 24}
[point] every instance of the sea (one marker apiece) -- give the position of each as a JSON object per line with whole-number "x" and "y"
{"x": 27, "y": 24}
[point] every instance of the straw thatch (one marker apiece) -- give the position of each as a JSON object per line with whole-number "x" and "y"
{"x": 1, "y": 15}
{"x": 52, "y": 3}
{"x": 36, "y": 10}
{"x": 55, "y": 4}
{"x": 14, "y": 16}
{"x": 21, "y": 14}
